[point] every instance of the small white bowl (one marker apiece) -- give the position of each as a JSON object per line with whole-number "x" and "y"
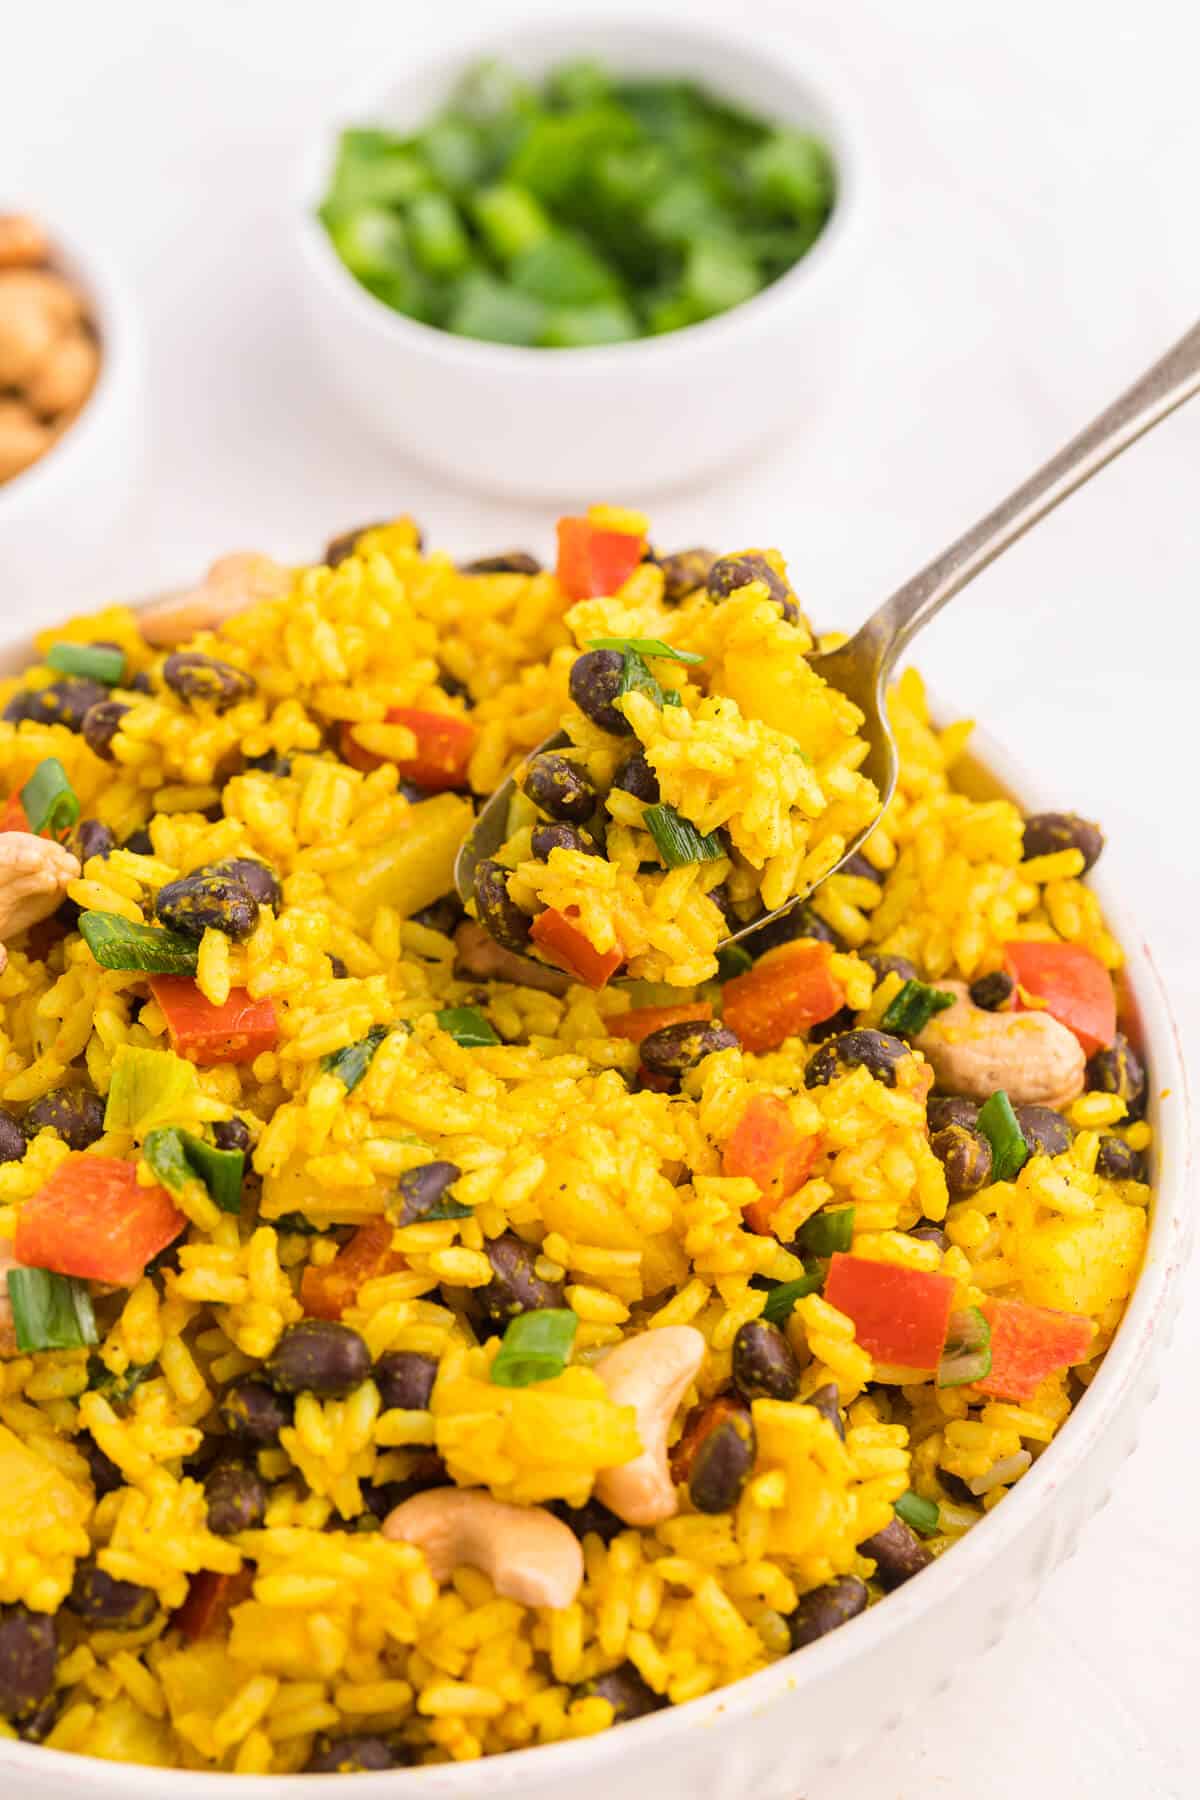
{"x": 617, "y": 421}
{"x": 57, "y": 516}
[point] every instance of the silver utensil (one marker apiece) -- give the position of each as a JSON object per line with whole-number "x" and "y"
{"x": 863, "y": 666}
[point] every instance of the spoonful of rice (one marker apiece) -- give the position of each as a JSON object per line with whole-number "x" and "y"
{"x": 707, "y": 779}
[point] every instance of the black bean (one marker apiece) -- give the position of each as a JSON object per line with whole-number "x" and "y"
{"x": 340, "y": 547}
{"x": 140, "y": 683}
{"x": 799, "y": 921}
{"x": 1050, "y": 831}
{"x": 1046, "y": 1132}
{"x": 194, "y": 676}
{"x": 271, "y": 762}
{"x": 992, "y": 992}
{"x": 28, "y": 1652}
{"x": 1119, "y": 1070}
{"x": 36, "y": 1726}
{"x": 12, "y": 1139}
{"x": 764, "y": 1363}
{"x": 254, "y": 1413}
{"x": 427, "y": 1470}
{"x": 729, "y": 573}
{"x": 405, "y": 1379}
{"x": 823, "y": 1609}
{"x": 231, "y": 1134}
{"x": 100, "y": 724}
{"x": 635, "y": 776}
{"x": 258, "y": 877}
{"x": 858, "y": 866}
{"x": 106, "y": 1476}
{"x": 499, "y": 914}
{"x": 838, "y": 1022}
{"x": 966, "y": 1157}
{"x": 951, "y": 1109}
{"x": 237, "y": 1498}
{"x": 102, "y": 1600}
{"x": 828, "y": 1403}
{"x": 1117, "y": 1161}
{"x": 65, "y": 702}
{"x": 876, "y": 1051}
{"x": 629, "y": 1696}
{"x": 359, "y": 1753}
{"x": 445, "y": 915}
{"x": 723, "y": 1459}
{"x": 139, "y": 843}
{"x": 515, "y": 1287}
{"x": 592, "y": 1516}
{"x": 420, "y": 1189}
{"x": 928, "y": 1233}
{"x": 93, "y": 839}
{"x": 721, "y": 899}
{"x": 192, "y": 904}
{"x": 76, "y": 1114}
{"x": 318, "y": 1356}
{"x": 898, "y": 1553}
{"x": 337, "y": 968}
{"x": 881, "y": 965}
{"x": 685, "y": 571}
{"x": 546, "y": 838}
{"x": 595, "y": 683}
{"x": 450, "y": 684}
{"x": 674, "y": 1049}
{"x": 506, "y": 562}
{"x": 559, "y": 788}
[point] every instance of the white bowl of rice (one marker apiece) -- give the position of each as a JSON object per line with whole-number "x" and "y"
{"x": 773, "y": 1733}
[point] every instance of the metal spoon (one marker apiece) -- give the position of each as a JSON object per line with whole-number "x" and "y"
{"x": 862, "y": 667}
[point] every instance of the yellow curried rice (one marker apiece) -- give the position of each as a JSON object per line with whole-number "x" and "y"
{"x": 193, "y": 1572}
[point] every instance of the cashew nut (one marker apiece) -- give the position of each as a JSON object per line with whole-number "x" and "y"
{"x": 35, "y": 305}
{"x": 23, "y": 438}
{"x": 651, "y": 1373}
{"x": 1037, "y": 1061}
{"x": 34, "y": 873}
{"x": 481, "y": 956}
{"x": 233, "y": 583}
{"x": 66, "y": 374}
{"x": 23, "y": 243}
{"x": 528, "y": 1554}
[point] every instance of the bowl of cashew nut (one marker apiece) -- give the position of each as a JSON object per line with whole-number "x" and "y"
{"x": 68, "y": 398}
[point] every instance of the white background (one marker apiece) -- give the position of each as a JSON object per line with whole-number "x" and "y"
{"x": 1036, "y": 243}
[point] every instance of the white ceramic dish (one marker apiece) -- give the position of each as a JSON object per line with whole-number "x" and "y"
{"x": 625, "y": 419}
{"x": 82, "y": 487}
{"x": 773, "y": 1734}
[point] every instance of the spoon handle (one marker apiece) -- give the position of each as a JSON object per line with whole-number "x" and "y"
{"x": 1171, "y": 381}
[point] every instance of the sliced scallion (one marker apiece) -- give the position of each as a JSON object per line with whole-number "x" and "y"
{"x": 968, "y": 1352}
{"x": 733, "y": 960}
{"x": 678, "y": 840}
{"x": 177, "y": 1157}
{"x": 118, "y": 943}
{"x": 50, "y": 1312}
{"x": 910, "y": 1011}
{"x": 921, "y": 1515}
{"x": 784, "y": 1295}
{"x": 645, "y": 647}
{"x": 636, "y": 678}
{"x": 445, "y": 1209}
{"x": 352, "y": 1063}
{"x": 536, "y": 1347}
{"x": 827, "y": 1232}
{"x": 998, "y": 1123}
{"x": 97, "y": 662}
{"x": 467, "y": 1026}
{"x": 118, "y": 1388}
{"x": 51, "y": 803}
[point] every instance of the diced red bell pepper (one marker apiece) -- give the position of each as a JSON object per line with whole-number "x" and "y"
{"x": 1029, "y": 1343}
{"x": 640, "y": 1021}
{"x": 901, "y": 1316}
{"x": 766, "y": 1145}
{"x": 206, "y": 1034}
{"x": 445, "y": 743}
{"x": 562, "y": 943}
{"x": 1073, "y": 986}
{"x": 325, "y": 1293}
{"x": 594, "y": 561}
{"x": 789, "y": 990}
{"x": 95, "y": 1220}
{"x": 210, "y": 1600}
{"x": 14, "y": 816}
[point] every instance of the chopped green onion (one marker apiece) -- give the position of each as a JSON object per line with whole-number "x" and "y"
{"x": 148, "y": 1087}
{"x": 678, "y": 840}
{"x": 467, "y": 1026}
{"x": 827, "y": 1232}
{"x": 672, "y": 697}
{"x": 784, "y": 1295}
{"x": 968, "y": 1352}
{"x": 352, "y": 1063}
{"x": 910, "y": 1010}
{"x": 177, "y": 1157}
{"x": 51, "y": 803}
{"x": 922, "y": 1515}
{"x": 118, "y": 943}
{"x": 637, "y": 679}
{"x": 446, "y": 1209}
{"x": 998, "y": 1123}
{"x": 118, "y": 1388}
{"x": 733, "y": 960}
{"x": 96, "y": 661}
{"x": 536, "y": 1347}
{"x": 165, "y": 1154}
{"x": 50, "y": 1312}
{"x": 645, "y": 647}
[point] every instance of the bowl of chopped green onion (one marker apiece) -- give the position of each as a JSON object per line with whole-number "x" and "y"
{"x": 594, "y": 256}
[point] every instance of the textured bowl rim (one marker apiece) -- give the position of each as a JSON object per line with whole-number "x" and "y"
{"x": 1142, "y": 1335}
{"x": 807, "y": 72}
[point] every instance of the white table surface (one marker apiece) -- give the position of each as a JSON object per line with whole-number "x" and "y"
{"x": 1036, "y": 245}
